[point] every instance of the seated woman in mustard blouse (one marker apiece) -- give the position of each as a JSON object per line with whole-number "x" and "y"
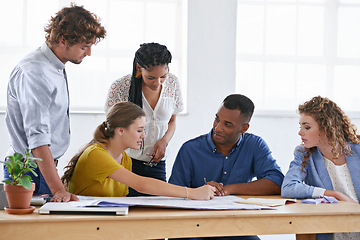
{"x": 102, "y": 168}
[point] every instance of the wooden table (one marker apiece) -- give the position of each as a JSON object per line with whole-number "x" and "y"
{"x": 147, "y": 223}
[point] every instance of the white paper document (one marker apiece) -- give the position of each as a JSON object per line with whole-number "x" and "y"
{"x": 267, "y": 201}
{"x": 217, "y": 203}
{"x": 97, "y": 203}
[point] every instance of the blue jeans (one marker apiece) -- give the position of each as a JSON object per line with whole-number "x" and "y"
{"x": 139, "y": 168}
{"x": 40, "y": 184}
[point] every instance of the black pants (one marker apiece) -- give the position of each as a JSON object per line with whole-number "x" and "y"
{"x": 138, "y": 167}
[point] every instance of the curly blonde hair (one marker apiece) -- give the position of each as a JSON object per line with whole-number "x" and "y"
{"x": 333, "y": 123}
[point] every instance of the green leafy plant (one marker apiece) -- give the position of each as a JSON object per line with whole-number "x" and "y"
{"x": 17, "y": 165}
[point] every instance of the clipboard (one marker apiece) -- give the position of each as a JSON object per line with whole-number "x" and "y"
{"x": 67, "y": 208}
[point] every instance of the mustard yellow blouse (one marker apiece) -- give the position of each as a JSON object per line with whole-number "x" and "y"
{"x": 91, "y": 174}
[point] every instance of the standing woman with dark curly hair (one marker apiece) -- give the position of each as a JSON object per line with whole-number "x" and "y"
{"x": 152, "y": 87}
{"x": 328, "y": 161}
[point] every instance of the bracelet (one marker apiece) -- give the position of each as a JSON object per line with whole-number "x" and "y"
{"x": 187, "y": 193}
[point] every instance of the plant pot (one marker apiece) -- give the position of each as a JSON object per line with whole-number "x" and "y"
{"x": 19, "y": 197}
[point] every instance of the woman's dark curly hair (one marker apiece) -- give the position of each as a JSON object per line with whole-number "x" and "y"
{"x": 333, "y": 122}
{"x": 147, "y": 56}
{"x": 76, "y": 25}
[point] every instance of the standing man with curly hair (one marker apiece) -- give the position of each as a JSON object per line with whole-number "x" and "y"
{"x": 37, "y": 114}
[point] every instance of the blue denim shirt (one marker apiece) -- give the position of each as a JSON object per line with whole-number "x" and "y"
{"x": 37, "y": 111}
{"x": 250, "y": 157}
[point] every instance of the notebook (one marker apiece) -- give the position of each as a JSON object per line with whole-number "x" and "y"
{"x": 68, "y": 208}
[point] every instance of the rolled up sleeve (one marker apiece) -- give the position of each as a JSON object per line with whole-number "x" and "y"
{"x": 34, "y": 98}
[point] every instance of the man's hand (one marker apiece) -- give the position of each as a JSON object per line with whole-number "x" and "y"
{"x": 63, "y": 196}
{"x": 48, "y": 170}
{"x": 220, "y": 190}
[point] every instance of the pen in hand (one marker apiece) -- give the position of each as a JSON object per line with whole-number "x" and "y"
{"x": 151, "y": 163}
{"x": 220, "y": 190}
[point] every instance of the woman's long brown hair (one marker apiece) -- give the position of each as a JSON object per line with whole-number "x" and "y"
{"x": 121, "y": 114}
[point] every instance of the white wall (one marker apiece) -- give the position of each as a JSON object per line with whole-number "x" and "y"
{"x": 211, "y": 77}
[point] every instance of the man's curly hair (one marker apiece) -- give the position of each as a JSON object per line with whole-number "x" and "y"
{"x": 75, "y": 25}
{"x": 333, "y": 122}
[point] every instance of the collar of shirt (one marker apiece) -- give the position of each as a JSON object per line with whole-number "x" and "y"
{"x": 53, "y": 59}
{"x": 212, "y": 145}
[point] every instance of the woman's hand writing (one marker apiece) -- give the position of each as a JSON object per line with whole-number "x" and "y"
{"x": 205, "y": 192}
{"x": 220, "y": 190}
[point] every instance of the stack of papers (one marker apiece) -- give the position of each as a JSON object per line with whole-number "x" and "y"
{"x": 325, "y": 199}
{"x": 267, "y": 202}
{"x": 120, "y": 205}
{"x": 97, "y": 203}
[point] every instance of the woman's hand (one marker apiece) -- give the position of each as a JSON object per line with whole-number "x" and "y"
{"x": 159, "y": 150}
{"x": 339, "y": 196}
{"x": 160, "y": 146}
{"x": 205, "y": 192}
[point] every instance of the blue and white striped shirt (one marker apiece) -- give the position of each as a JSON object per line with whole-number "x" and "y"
{"x": 37, "y": 111}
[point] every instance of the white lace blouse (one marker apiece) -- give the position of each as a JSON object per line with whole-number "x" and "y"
{"x": 157, "y": 119}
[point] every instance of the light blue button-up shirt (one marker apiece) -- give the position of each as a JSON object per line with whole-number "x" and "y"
{"x": 37, "y": 111}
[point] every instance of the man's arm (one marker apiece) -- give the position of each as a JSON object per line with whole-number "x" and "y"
{"x": 48, "y": 170}
{"x": 268, "y": 173}
{"x": 258, "y": 187}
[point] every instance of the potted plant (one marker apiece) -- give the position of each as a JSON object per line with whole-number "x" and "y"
{"x": 19, "y": 189}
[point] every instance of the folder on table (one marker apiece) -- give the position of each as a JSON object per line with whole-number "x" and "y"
{"x": 68, "y": 208}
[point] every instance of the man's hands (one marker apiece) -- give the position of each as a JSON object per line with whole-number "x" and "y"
{"x": 48, "y": 170}
{"x": 63, "y": 196}
{"x": 220, "y": 190}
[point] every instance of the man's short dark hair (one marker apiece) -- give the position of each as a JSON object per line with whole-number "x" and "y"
{"x": 240, "y": 102}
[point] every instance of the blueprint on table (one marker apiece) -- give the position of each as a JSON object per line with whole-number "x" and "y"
{"x": 217, "y": 203}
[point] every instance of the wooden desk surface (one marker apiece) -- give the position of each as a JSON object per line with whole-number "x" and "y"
{"x": 145, "y": 223}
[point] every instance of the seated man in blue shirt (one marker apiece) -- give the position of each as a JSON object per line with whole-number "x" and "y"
{"x": 228, "y": 157}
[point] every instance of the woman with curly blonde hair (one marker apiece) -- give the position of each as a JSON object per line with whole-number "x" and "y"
{"x": 327, "y": 163}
